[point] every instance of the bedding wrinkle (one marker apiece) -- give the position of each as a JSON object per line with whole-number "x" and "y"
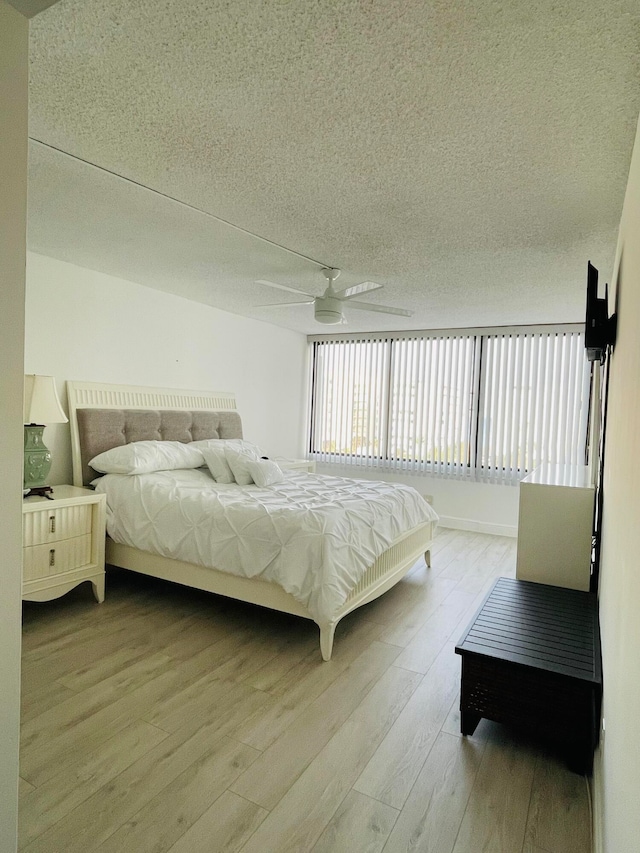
{"x": 313, "y": 535}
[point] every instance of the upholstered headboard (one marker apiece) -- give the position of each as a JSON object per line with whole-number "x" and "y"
{"x": 105, "y": 416}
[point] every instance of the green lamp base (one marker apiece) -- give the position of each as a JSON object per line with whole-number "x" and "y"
{"x": 37, "y": 459}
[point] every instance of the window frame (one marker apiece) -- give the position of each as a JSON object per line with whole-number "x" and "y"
{"x": 471, "y": 468}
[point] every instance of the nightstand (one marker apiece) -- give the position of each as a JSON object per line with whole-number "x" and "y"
{"x": 305, "y": 465}
{"x": 63, "y": 543}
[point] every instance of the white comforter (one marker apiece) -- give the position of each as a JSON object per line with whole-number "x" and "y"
{"x": 313, "y": 535}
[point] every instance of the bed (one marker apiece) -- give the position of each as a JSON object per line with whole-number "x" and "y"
{"x": 107, "y": 416}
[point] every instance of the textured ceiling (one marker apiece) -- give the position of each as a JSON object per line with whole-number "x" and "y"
{"x": 470, "y": 156}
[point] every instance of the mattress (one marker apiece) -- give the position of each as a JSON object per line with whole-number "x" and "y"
{"x": 313, "y": 535}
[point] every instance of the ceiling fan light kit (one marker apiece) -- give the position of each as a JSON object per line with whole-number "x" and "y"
{"x": 328, "y": 308}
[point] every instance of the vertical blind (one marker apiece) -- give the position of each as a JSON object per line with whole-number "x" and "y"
{"x": 489, "y": 405}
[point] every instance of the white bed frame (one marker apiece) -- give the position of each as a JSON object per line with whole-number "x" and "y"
{"x": 387, "y": 570}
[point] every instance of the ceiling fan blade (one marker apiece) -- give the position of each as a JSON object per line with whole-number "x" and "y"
{"x": 280, "y": 304}
{"x": 282, "y": 286}
{"x": 382, "y": 309}
{"x": 356, "y": 289}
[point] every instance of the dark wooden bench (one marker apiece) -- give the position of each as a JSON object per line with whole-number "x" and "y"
{"x": 531, "y": 658}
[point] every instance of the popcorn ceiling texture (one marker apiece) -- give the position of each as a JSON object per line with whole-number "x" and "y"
{"x": 471, "y": 156}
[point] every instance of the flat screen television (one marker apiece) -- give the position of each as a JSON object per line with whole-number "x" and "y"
{"x": 597, "y": 328}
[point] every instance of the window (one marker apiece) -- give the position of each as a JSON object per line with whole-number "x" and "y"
{"x": 486, "y": 404}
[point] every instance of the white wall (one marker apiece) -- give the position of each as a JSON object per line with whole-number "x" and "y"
{"x": 617, "y": 769}
{"x": 13, "y": 223}
{"x": 82, "y": 324}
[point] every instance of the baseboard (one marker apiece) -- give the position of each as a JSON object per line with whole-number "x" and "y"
{"x": 478, "y": 526}
{"x": 595, "y": 793}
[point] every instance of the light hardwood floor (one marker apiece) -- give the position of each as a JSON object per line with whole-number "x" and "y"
{"x": 167, "y": 719}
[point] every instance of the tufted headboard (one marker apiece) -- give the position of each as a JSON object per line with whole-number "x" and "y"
{"x": 105, "y": 416}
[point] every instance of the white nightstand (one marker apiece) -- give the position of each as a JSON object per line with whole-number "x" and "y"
{"x": 306, "y": 465}
{"x": 63, "y": 543}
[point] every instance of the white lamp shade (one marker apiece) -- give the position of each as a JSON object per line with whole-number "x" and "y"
{"x": 41, "y": 402}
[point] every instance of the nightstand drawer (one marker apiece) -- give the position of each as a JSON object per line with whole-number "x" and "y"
{"x": 54, "y": 524}
{"x": 53, "y": 558}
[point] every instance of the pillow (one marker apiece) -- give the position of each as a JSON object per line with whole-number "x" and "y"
{"x": 145, "y": 457}
{"x": 238, "y": 461}
{"x": 217, "y": 443}
{"x": 217, "y": 462}
{"x": 212, "y": 450}
{"x": 265, "y": 472}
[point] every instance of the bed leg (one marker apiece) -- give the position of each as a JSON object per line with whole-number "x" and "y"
{"x": 327, "y": 631}
{"x": 427, "y": 558}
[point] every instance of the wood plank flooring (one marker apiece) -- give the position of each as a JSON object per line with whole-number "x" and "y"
{"x": 171, "y": 720}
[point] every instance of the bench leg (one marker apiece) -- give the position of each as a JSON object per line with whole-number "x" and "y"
{"x": 468, "y": 722}
{"x": 580, "y": 756}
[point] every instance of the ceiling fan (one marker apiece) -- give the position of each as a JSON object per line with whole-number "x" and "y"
{"x": 328, "y": 308}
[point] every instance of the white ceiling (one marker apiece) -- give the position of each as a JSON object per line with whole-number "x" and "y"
{"x": 470, "y": 156}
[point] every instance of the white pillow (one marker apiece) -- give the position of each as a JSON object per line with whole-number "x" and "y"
{"x": 238, "y": 462}
{"x": 217, "y": 463}
{"x": 145, "y": 457}
{"x": 213, "y": 451}
{"x": 238, "y": 443}
{"x": 265, "y": 472}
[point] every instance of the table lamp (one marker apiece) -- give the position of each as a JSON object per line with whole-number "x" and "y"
{"x": 41, "y": 407}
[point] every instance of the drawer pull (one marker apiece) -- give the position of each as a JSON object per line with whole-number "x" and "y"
{"x": 52, "y": 524}
{"x": 52, "y": 557}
